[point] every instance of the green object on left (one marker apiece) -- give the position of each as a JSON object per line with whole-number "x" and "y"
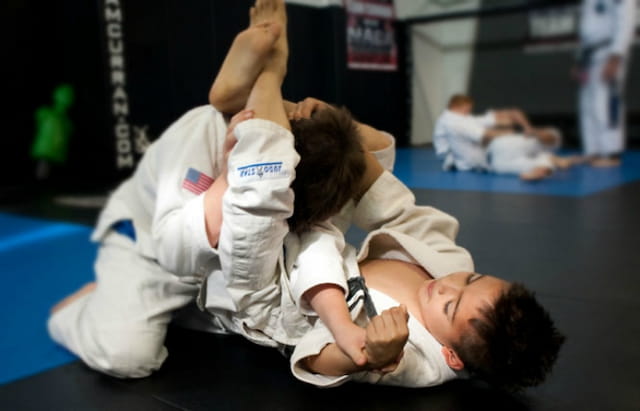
{"x": 54, "y": 127}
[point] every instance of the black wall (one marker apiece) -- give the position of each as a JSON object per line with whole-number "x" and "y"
{"x": 172, "y": 51}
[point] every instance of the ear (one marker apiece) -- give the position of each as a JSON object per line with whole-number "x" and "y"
{"x": 452, "y": 359}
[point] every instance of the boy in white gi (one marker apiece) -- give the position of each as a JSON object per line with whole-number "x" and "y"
{"x": 407, "y": 245}
{"x": 607, "y": 28}
{"x": 491, "y": 143}
{"x": 461, "y": 321}
{"x": 158, "y": 235}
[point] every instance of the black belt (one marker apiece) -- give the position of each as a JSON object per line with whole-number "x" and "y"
{"x": 585, "y": 53}
{"x": 358, "y": 291}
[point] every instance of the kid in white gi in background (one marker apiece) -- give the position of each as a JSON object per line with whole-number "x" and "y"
{"x": 607, "y": 29}
{"x": 491, "y": 143}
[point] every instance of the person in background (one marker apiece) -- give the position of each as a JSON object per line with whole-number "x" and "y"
{"x": 500, "y": 141}
{"x": 606, "y": 34}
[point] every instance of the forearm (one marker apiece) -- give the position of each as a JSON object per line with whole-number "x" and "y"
{"x": 519, "y": 118}
{"x": 372, "y": 172}
{"x": 333, "y": 362}
{"x": 328, "y": 301}
{"x": 372, "y": 138}
{"x": 510, "y": 118}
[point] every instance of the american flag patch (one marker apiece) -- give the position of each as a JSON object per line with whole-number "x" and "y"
{"x": 196, "y": 182}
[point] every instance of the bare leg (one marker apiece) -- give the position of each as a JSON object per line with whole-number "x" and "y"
{"x": 537, "y": 173}
{"x": 85, "y": 289}
{"x": 603, "y": 162}
{"x": 564, "y": 163}
{"x": 246, "y": 58}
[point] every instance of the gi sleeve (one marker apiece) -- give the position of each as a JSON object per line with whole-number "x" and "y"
{"x": 309, "y": 345}
{"x": 191, "y": 145}
{"x": 466, "y": 127}
{"x": 319, "y": 261}
{"x": 387, "y": 156}
{"x": 417, "y": 368}
{"x": 625, "y": 26}
{"x": 256, "y": 206}
{"x": 487, "y": 119}
{"x": 389, "y": 209}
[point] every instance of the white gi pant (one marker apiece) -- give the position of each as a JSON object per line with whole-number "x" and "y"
{"x": 516, "y": 154}
{"x": 120, "y": 330}
{"x": 602, "y": 111}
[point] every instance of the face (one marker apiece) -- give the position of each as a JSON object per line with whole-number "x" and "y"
{"x": 447, "y": 304}
{"x": 466, "y": 108}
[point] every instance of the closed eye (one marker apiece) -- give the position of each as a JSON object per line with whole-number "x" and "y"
{"x": 446, "y": 308}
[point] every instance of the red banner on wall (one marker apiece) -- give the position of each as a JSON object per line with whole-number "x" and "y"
{"x": 371, "y": 43}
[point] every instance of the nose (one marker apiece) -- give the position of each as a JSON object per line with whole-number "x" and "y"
{"x": 445, "y": 289}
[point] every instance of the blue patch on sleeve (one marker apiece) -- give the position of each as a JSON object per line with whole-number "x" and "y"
{"x": 262, "y": 171}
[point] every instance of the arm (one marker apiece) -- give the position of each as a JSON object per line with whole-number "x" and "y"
{"x": 213, "y": 195}
{"x": 624, "y": 26}
{"x": 511, "y": 117}
{"x": 318, "y": 286}
{"x": 328, "y": 301}
{"x": 372, "y": 139}
{"x": 625, "y": 16}
{"x": 178, "y": 231}
{"x": 386, "y": 336}
{"x": 389, "y": 208}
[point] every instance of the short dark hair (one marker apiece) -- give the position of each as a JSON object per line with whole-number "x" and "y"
{"x": 331, "y": 166}
{"x": 458, "y": 100}
{"x": 516, "y": 343}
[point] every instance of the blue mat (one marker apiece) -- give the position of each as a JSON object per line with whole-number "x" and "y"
{"x": 420, "y": 168}
{"x": 42, "y": 261}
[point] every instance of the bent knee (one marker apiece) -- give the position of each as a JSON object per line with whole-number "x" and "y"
{"x": 133, "y": 355}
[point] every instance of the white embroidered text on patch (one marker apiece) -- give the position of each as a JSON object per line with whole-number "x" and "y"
{"x": 262, "y": 171}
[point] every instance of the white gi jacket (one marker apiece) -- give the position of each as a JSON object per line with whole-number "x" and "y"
{"x": 607, "y": 26}
{"x": 401, "y": 230}
{"x": 257, "y": 292}
{"x": 170, "y": 225}
{"x": 264, "y": 306}
{"x": 168, "y": 218}
{"x": 457, "y": 138}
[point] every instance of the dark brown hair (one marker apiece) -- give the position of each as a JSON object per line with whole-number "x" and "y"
{"x": 331, "y": 166}
{"x": 516, "y": 343}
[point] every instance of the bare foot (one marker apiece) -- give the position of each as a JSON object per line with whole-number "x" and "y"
{"x": 273, "y": 11}
{"x": 603, "y": 162}
{"x": 564, "y": 163}
{"x": 536, "y": 174}
{"x": 250, "y": 51}
{"x": 85, "y": 289}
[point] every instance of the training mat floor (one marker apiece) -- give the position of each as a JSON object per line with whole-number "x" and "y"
{"x": 579, "y": 253}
